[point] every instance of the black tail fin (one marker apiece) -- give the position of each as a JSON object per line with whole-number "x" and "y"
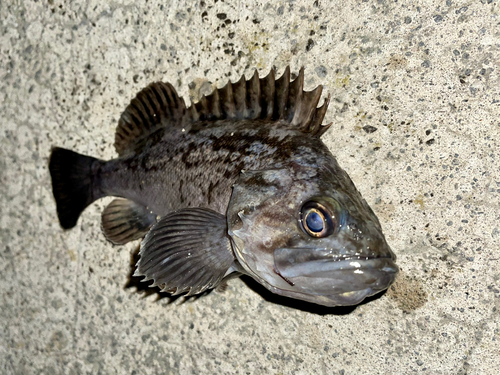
{"x": 72, "y": 178}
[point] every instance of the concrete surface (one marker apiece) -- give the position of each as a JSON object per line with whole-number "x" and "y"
{"x": 415, "y": 104}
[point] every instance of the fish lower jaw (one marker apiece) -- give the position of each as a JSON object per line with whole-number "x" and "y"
{"x": 337, "y": 283}
{"x": 354, "y": 297}
{"x": 349, "y": 298}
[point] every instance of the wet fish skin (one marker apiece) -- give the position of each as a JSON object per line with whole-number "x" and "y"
{"x": 220, "y": 189}
{"x": 199, "y": 167}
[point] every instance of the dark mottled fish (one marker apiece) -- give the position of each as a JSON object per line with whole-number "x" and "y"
{"x": 238, "y": 183}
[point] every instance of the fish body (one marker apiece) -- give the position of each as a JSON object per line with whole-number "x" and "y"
{"x": 198, "y": 167}
{"x": 238, "y": 183}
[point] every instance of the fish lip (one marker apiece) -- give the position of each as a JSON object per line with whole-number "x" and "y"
{"x": 328, "y": 253}
{"x": 329, "y": 264}
{"x": 319, "y": 268}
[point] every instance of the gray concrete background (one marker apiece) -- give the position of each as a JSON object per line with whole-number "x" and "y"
{"x": 425, "y": 76}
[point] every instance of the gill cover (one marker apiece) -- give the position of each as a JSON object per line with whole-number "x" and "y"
{"x": 259, "y": 221}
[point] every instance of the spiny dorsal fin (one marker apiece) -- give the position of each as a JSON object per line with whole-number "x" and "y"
{"x": 156, "y": 106}
{"x": 265, "y": 98}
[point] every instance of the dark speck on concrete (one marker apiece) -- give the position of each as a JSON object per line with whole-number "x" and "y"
{"x": 438, "y": 18}
{"x": 321, "y": 71}
{"x": 369, "y": 129}
{"x": 310, "y": 45}
{"x": 426, "y": 64}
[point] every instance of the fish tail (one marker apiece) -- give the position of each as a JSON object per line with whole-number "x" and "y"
{"x": 73, "y": 187}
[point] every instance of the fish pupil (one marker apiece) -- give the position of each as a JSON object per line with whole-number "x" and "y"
{"x": 315, "y": 222}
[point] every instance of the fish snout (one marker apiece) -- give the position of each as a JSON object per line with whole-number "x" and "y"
{"x": 366, "y": 241}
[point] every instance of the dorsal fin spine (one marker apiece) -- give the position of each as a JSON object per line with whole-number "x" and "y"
{"x": 239, "y": 97}
{"x": 318, "y": 116}
{"x": 253, "y": 95}
{"x": 295, "y": 95}
{"x": 267, "y": 99}
{"x": 214, "y": 105}
{"x": 227, "y": 101}
{"x": 282, "y": 90}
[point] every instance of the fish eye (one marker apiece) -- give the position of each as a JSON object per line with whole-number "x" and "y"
{"x": 317, "y": 220}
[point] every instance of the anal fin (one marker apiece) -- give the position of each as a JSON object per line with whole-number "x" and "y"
{"x": 124, "y": 220}
{"x": 187, "y": 251}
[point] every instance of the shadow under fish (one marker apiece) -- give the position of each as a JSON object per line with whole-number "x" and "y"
{"x": 238, "y": 183}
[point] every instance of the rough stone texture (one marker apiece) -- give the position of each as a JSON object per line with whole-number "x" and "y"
{"x": 416, "y": 111}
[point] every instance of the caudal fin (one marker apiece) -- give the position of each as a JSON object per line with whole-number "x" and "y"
{"x": 72, "y": 179}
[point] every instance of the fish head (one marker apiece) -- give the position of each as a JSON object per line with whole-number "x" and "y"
{"x": 307, "y": 233}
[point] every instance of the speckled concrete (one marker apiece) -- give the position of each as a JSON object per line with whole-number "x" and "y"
{"x": 416, "y": 112}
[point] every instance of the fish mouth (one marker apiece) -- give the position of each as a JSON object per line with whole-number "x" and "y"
{"x": 324, "y": 268}
{"x": 320, "y": 276}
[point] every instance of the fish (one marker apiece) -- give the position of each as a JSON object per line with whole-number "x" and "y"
{"x": 238, "y": 183}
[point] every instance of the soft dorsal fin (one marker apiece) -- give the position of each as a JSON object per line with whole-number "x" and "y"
{"x": 156, "y": 106}
{"x": 265, "y": 98}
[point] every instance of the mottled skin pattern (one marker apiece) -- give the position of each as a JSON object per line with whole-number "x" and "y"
{"x": 198, "y": 167}
{"x": 260, "y": 174}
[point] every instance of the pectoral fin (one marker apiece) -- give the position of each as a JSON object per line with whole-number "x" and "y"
{"x": 186, "y": 251}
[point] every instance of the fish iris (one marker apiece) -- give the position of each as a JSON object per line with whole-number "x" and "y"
{"x": 315, "y": 221}
{"x": 319, "y": 217}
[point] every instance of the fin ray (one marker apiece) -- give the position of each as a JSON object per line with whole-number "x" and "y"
{"x": 124, "y": 220}
{"x": 154, "y": 107}
{"x": 187, "y": 251}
